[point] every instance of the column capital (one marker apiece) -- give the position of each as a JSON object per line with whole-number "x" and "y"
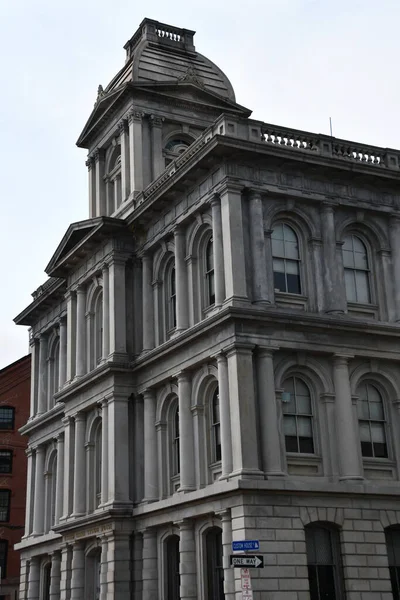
{"x": 147, "y": 393}
{"x": 224, "y": 514}
{"x": 90, "y": 162}
{"x": 135, "y": 116}
{"x": 267, "y": 351}
{"x": 160, "y": 425}
{"x": 228, "y": 186}
{"x": 29, "y": 452}
{"x": 342, "y": 359}
{"x": 39, "y": 449}
{"x": 105, "y": 266}
{"x": 184, "y": 523}
{"x": 328, "y": 207}
{"x": 156, "y": 120}
{"x": 98, "y": 154}
{"x": 179, "y": 230}
{"x": 79, "y": 417}
{"x": 69, "y": 294}
{"x": 253, "y": 194}
{"x": 183, "y": 376}
{"x": 59, "y": 437}
{"x": 239, "y": 347}
{"x": 122, "y": 126}
{"x": 80, "y": 289}
{"x": 214, "y": 200}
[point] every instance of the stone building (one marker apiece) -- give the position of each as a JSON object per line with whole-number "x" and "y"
{"x": 215, "y": 353}
{"x": 14, "y": 412}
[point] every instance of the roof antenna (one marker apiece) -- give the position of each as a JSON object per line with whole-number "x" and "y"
{"x": 330, "y": 125}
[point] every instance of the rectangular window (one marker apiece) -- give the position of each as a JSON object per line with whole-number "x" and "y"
{"x": 7, "y": 417}
{"x": 3, "y": 559}
{"x": 6, "y": 461}
{"x": 4, "y": 505}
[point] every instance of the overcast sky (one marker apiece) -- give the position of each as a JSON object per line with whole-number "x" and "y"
{"x": 293, "y": 62}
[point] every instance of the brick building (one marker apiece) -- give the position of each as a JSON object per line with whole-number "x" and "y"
{"x": 14, "y": 412}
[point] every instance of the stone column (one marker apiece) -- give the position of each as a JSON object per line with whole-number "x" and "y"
{"x": 71, "y": 334}
{"x": 118, "y": 451}
{"x": 62, "y": 367}
{"x": 103, "y": 568}
{"x": 79, "y": 465}
{"x": 65, "y": 584}
{"x": 186, "y": 449}
{"x": 100, "y": 185}
{"x": 395, "y": 248}
{"x": 333, "y": 296}
{"x": 138, "y": 448}
{"x": 125, "y": 168}
{"x": 150, "y": 565}
{"x": 59, "y": 478}
{"x": 164, "y": 484}
{"x": 269, "y": 424}
{"x": 34, "y": 578}
{"x": 225, "y": 416}
{"x": 181, "y": 279}
{"x": 244, "y": 423}
{"x": 148, "y": 304}
{"x": 92, "y": 186}
{"x": 258, "y": 251}
{"x": 34, "y": 348}
{"x": 104, "y": 451}
{"x": 42, "y": 388}
{"x": 106, "y": 311}
{"x": 218, "y": 250}
{"x": 187, "y": 560}
{"x": 136, "y": 150}
{"x": 55, "y": 576}
{"x": 229, "y": 578}
{"x": 68, "y": 466}
{"x": 119, "y": 563}
{"x": 78, "y": 571}
{"x": 38, "y": 503}
{"x": 233, "y": 244}
{"x": 349, "y": 451}
{"x": 29, "y": 494}
{"x": 158, "y": 162}
{"x": 80, "y": 331}
{"x": 117, "y": 309}
{"x": 150, "y": 446}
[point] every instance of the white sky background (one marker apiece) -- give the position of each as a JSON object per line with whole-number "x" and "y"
{"x": 293, "y": 62}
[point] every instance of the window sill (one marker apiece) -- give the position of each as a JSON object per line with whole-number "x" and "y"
{"x": 304, "y": 464}
{"x": 361, "y": 311}
{"x": 379, "y": 468}
{"x": 286, "y": 300}
{"x": 215, "y": 470}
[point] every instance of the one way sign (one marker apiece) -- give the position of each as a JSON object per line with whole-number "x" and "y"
{"x": 247, "y": 560}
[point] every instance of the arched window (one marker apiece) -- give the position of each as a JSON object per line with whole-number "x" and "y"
{"x": 209, "y": 273}
{"x": 371, "y": 421}
{"x": 324, "y": 562}
{"x": 297, "y": 416}
{"x": 286, "y": 259}
{"x": 214, "y": 565}
{"x": 176, "y": 466}
{"x": 97, "y": 465}
{"x": 172, "y": 568}
{"x": 113, "y": 181}
{"x": 46, "y": 581}
{"x": 356, "y": 270}
{"x": 392, "y": 535}
{"x": 215, "y": 428}
{"x": 98, "y": 330}
{"x": 174, "y": 148}
{"x": 51, "y": 484}
{"x": 92, "y": 583}
{"x": 54, "y": 362}
{"x": 171, "y": 298}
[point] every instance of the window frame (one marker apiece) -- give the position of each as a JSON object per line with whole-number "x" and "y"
{"x": 10, "y": 453}
{"x": 369, "y": 270}
{"x": 337, "y": 559}
{"x": 12, "y": 421}
{"x": 385, "y": 423}
{"x": 394, "y": 565}
{"x": 7, "y": 506}
{"x": 4, "y": 559}
{"x": 298, "y": 261}
{"x": 311, "y": 417}
{"x": 215, "y": 426}
{"x": 214, "y": 573}
{"x": 209, "y": 274}
{"x": 170, "y": 298}
{"x": 172, "y": 559}
{"x": 97, "y": 460}
{"x": 98, "y": 333}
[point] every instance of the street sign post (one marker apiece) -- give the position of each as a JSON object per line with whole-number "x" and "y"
{"x": 252, "y": 561}
{"x": 244, "y": 545}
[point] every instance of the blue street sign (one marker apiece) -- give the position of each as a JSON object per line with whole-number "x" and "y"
{"x": 245, "y": 545}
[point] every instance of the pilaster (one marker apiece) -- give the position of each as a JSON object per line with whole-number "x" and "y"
{"x": 226, "y": 433}
{"x": 150, "y": 565}
{"x": 125, "y": 168}
{"x": 187, "y": 562}
{"x": 78, "y": 571}
{"x": 181, "y": 280}
{"x": 117, "y": 309}
{"x": 258, "y": 253}
{"x": 118, "y": 451}
{"x": 218, "y": 250}
{"x": 42, "y": 387}
{"x": 59, "y": 478}
{"x": 186, "y": 449}
{"x": 150, "y": 446}
{"x": 62, "y": 368}
{"x": 106, "y": 312}
{"x": 55, "y": 576}
{"x": 80, "y": 331}
{"x": 136, "y": 150}
{"x": 148, "y": 303}
{"x": 99, "y": 156}
{"x": 79, "y": 465}
{"x": 38, "y": 503}
{"x": 158, "y": 163}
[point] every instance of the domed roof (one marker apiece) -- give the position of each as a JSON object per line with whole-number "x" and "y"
{"x": 159, "y": 53}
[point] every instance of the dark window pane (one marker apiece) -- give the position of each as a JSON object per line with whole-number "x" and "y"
{"x": 293, "y": 284}
{"x": 173, "y": 578}
{"x": 395, "y": 580}
{"x": 215, "y": 572}
{"x": 313, "y": 581}
{"x": 366, "y": 449}
{"x": 380, "y": 450}
{"x": 291, "y": 443}
{"x": 326, "y": 582}
{"x": 4, "y": 505}
{"x": 306, "y": 445}
{"x": 5, "y": 461}
{"x": 6, "y": 418}
{"x": 279, "y": 282}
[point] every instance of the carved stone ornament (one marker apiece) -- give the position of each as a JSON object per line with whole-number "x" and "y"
{"x": 100, "y": 94}
{"x": 135, "y": 115}
{"x": 192, "y": 76}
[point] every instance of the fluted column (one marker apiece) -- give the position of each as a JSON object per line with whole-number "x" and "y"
{"x": 55, "y": 576}
{"x": 34, "y": 578}
{"x": 136, "y": 150}
{"x": 104, "y": 451}
{"x": 42, "y": 388}
{"x": 125, "y": 168}
{"x": 181, "y": 279}
{"x": 29, "y": 494}
{"x": 92, "y": 186}
{"x": 34, "y": 348}
{"x": 334, "y": 303}
{"x": 270, "y": 440}
{"x": 158, "y": 162}
{"x": 347, "y": 444}
{"x": 68, "y": 467}
{"x": 117, "y": 308}
{"x": 103, "y": 568}
{"x": 242, "y": 402}
{"x": 229, "y": 579}
{"x": 59, "y": 478}
{"x": 150, "y": 565}
{"x": 38, "y": 504}
{"x": 100, "y": 185}
{"x": 233, "y": 244}
{"x": 150, "y": 446}
{"x": 118, "y": 450}
{"x": 148, "y": 304}
{"x": 62, "y": 367}
{"x": 71, "y": 334}
{"x": 395, "y": 248}
{"x": 186, "y": 449}
{"x": 187, "y": 560}
{"x": 80, "y": 331}
{"x": 106, "y": 312}
{"x": 226, "y": 434}
{"x": 258, "y": 252}
{"x": 79, "y": 465}
{"x": 218, "y": 250}
{"x": 78, "y": 571}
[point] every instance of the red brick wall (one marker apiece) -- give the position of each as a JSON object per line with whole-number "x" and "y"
{"x": 15, "y": 391}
